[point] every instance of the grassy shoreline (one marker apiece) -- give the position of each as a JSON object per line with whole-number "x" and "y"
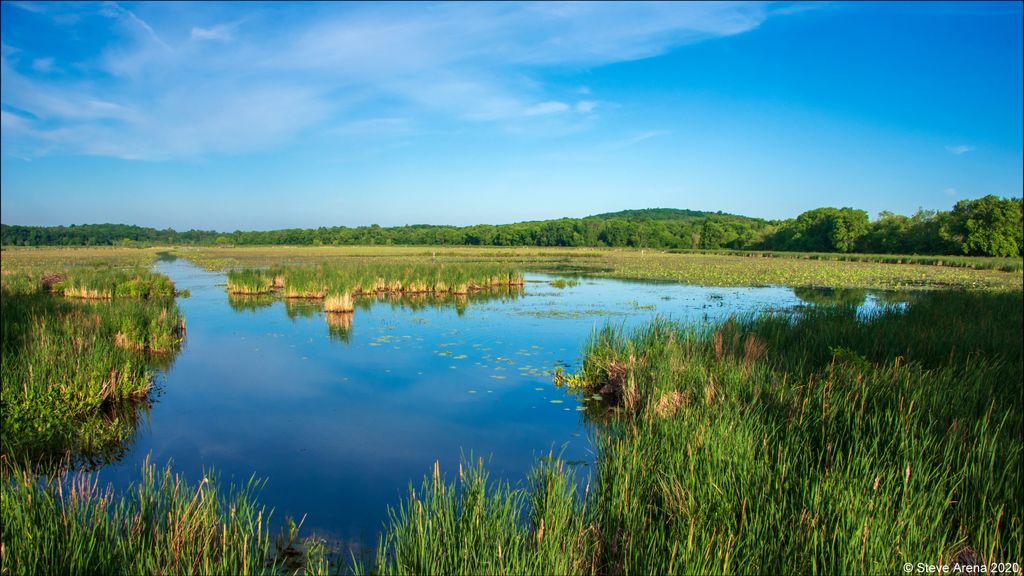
{"x": 80, "y": 342}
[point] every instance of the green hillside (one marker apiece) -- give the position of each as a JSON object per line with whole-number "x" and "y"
{"x": 666, "y": 214}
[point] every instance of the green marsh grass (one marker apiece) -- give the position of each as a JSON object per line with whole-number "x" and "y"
{"x": 829, "y": 441}
{"x": 339, "y": 285}
{"x": 975, "y": 262}
{"x": 162, "y": 525}
{"x": 107, "y": 284}
{"x": 718, "y": 268}
{"x": 92, "y": 273}
{"x": 66, "y": 361}
{"x": 249, "y": 282}
{"x": 735, "y": 270}
{"x": 54, "y": 259}
{"x": 474, "y": 525}
{"x": 77, "y": 368}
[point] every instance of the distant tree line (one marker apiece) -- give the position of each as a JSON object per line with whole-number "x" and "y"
{"x": 988, "y": 226}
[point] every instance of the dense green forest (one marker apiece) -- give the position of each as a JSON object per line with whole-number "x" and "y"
{"x": 988, "y": 226}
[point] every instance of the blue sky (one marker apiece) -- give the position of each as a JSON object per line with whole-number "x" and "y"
{"x": 259, "y": 116}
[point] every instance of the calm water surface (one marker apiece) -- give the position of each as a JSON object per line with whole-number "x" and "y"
{"x": 340, "y": 422}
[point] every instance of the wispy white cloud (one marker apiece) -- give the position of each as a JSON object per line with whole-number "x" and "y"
{"x": 223, "y": 33}
{"x": 185, "y": 80}
{"x": 950, "y": 191}
{"x": 960, "y": 149}
{"x": 132, "y": 22}
{"x": 786, "y": 8}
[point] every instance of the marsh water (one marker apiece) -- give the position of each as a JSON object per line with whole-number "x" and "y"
{"x": 339, "y": 417}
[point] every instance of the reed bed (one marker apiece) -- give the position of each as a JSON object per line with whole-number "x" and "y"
{"x": 68, "y": 365}
{"x": 460, "y": 302}
{"x": 249, "y": 282}
{"x": 564, "y": 283}
{"x": 91, "y": 284}
{"x": 339, "y": 285}
{"x": 161, "y": 525}
{"x": 475, "y": 526}
{"x": 975, "y": 262}
{"x": 792, "y": 270}
{"x": 85, "y": 273}
{"x": 716, "y": 268}
{"x": 107, "y": 284}
{"x": 826, "y": 442}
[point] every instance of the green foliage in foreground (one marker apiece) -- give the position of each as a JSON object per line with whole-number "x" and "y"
{"x": 162, "y": 525}
{"x": 474, "y": 526}
{"x": 75, "y": 372}
{"x": 829, "y": 443}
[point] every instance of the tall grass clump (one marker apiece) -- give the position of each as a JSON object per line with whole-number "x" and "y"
{"x": 250, "y": 282}
{"x": 104, "y": 284}
{"x": 473, "y": 525}
{"x": 304, "y": 283}
{"x": 21, "y": 283}
{"x": 161, "y": 525}
{"x": 340, "y": 303}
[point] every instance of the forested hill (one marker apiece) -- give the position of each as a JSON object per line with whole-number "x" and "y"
{"x": 668, "y": 214}
{"x": 988, "y": 226}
